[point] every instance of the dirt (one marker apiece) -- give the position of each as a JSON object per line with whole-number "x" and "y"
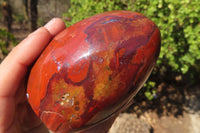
{"x": 129, "y": 123}
{"x": 175, "y": 107}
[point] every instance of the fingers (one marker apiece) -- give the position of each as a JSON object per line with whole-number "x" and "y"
{"x": 30, "y": 48}
{"x": 15, "y": 65}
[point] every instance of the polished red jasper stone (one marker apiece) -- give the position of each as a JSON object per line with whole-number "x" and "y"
{"x": 92, "y": 69}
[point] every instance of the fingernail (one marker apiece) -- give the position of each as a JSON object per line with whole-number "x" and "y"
{"x": 49, "y": 24}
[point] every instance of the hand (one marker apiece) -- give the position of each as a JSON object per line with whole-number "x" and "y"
{"x": 16, "y": 115}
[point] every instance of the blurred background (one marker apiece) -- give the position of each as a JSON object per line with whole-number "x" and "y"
{"x": 170, "y": 99}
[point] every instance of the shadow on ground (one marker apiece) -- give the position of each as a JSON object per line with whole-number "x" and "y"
{"x": 170, "y": 100}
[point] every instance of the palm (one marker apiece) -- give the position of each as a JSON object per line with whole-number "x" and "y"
{"x": 20, "y": 115}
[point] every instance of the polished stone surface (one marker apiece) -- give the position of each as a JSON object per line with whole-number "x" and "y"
{"x": 92, "y": 69}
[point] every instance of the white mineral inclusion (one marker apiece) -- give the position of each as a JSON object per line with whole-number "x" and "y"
{"x": 27, "y": 95}
{"x": 58, "y": 63}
